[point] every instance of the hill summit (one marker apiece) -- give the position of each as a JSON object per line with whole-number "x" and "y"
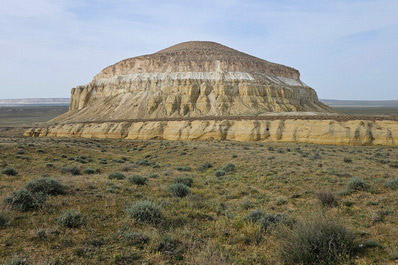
{"x": 191, "y": 79}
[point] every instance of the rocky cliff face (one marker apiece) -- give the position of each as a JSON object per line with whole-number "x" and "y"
{"x": 191, "y": 79}
{"x": 328, "y": 131}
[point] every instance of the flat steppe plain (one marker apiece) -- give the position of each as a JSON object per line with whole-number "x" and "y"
{"x": 207, "y": 226}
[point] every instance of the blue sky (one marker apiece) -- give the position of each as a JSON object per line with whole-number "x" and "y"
{"x": 344, "y": 49}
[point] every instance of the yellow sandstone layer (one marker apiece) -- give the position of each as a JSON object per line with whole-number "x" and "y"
{"x": 353, "y": 132}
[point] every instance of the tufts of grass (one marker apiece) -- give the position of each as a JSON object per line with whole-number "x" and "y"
{"x": 179, "y": 190}
{"x": 138, "y": 180}
{"x": 319, "y": 240}
{"x": 116, "y": 175}
{"x": 47, "y": 186}
{"x": 71, "y": 219}
{"x": 24, "y": 200}
{"x": 145, "y": 212}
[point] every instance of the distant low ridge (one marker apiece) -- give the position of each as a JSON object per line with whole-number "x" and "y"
{"x": 34, "y": 101}
{"x": 360, "y": 103}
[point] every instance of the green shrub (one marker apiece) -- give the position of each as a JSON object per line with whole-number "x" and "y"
{"x": 71, "y": 219}
{"x": 184, "y": 180}
{"x": 347, "y": 160}
{"x": 179, "y": 190}
{"x": 4, "y": 220}
{"x": 220, "y": 173}
{"x": 116, "y": 175}
{"x": 356, "y": 184}
{"x": 229, "y": 168}
{"x": 318, "y": 241}
{"x": 327, "y": 199}
{"x": 153, "y": 176}
{"x": 47, "y": 186}
{"x": 138, "y": 180}
{"x": 392, "y": 184}
{"x": 145, "y": 212}
{"x": 9, "y": 172}
{"x": 24, "y": 200}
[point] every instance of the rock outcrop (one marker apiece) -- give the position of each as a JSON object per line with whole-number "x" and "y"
{"x": 327, "y": 131}
{"x": 191, "y": 79}
{"x": 207, "y": 91}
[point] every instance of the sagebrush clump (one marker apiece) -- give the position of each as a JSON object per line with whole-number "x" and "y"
{"x": 220, "y": 173}
{"x": 47, "y": 186}
{"x": 138, "y": 180}
{"x": 170, "y": 246}
{"x": 4, "y": 220}
{"x": 116, "y": 175}
{"x": 205, "y": 167}
{"x": 9, "y": 172}
{"x": 145, "y": 212}
{"x": 229, "y": 168}
{"x": 319, "y": 240}
{"x": 184, "y": 180}
{"x": 135, "y": 238}
{"x": 89, "y": 171}
{"x": 327, "y": 199}
{"x": 267, "y": 221}
{"x": 71, "y": 219}
{"x": 357, "y": 184}
{"x": 179, "y": 190}
{"x": 392, "y": 184}
{"x": 24, "y": 200}
{"x": 71, "y": 170}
